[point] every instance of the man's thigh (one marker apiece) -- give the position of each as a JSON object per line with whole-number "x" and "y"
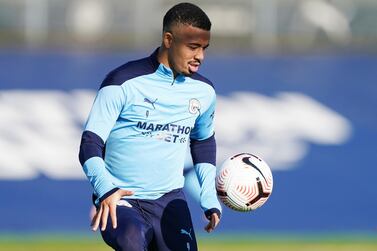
{"x": 133, "y": 232}
{"x": 172, "y": 224}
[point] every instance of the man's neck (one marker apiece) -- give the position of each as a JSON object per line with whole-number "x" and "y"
{"x": 163, "y": 58}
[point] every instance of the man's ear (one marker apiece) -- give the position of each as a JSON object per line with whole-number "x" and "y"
{"x": 167, "y": 39}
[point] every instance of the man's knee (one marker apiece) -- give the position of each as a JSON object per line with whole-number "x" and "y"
{"x": 131, "y": 236}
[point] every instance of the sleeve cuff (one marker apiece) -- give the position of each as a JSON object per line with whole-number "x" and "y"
{"x": 209, "y": 212}
{"x": 103, "y": 197}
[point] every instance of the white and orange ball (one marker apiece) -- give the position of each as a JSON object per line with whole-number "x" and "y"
{"x": 244, "y": 182}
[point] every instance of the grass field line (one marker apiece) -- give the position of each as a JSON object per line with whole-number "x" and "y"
{"x": 213, "y": 242}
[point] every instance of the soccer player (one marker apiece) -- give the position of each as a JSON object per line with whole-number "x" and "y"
{"x": 145, "y": 115}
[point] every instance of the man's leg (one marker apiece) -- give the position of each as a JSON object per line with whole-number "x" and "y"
{"x": 173, "y": 229}
{"x": 133, "y": 233}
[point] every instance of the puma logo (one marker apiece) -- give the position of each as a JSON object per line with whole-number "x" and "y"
{"x": 186, "y": 233}
{"x": 146, "y": 100}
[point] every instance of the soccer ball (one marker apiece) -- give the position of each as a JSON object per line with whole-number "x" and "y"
{"x": 244, "y": 182}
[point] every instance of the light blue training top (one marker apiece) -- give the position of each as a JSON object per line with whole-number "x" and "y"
{"x": 139, "y": 129}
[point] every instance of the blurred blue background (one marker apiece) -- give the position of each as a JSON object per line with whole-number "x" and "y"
{"x": 296, "y": 84}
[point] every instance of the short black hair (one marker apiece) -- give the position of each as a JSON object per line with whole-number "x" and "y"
{"x": 186, "y": 13}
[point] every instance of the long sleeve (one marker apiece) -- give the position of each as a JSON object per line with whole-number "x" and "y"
{"x": 106, "y": 108}
{"x": 203, "y": 151}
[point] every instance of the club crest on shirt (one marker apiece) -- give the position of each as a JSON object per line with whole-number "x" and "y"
{"x": 194, "y": 106}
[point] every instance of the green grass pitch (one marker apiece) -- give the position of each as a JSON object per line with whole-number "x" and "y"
{"x": 213, "y": 243}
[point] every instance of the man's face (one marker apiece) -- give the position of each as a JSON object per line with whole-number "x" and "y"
{"x": 186, "y": 48}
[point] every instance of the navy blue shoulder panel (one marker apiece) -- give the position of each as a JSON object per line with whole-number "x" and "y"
{"x": 199, "y": 77}
{"x": 131, "y": 70}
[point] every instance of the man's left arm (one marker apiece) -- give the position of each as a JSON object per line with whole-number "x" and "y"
{"x": 203, "y": 152}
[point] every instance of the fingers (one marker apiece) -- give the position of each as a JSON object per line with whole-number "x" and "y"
{"x": 212, "y": 224}
{"x": 108, "y": 206}
{"x": 96, "y": 219}
{"x": 125, "y": 192}
{"x": 113, "y": 215}
{"x": 208, "y": 227}
{"x": 104, "y": 216}
{"x": 112, "y": 207}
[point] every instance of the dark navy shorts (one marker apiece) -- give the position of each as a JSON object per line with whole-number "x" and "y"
{"x": 153, "y": 225}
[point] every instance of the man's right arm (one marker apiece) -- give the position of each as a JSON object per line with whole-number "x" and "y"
{"x": 105, "y": 111}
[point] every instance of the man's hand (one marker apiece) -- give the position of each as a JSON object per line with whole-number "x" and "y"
{"x": 213, "y": 222}
{"x": 108, "y": 206}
